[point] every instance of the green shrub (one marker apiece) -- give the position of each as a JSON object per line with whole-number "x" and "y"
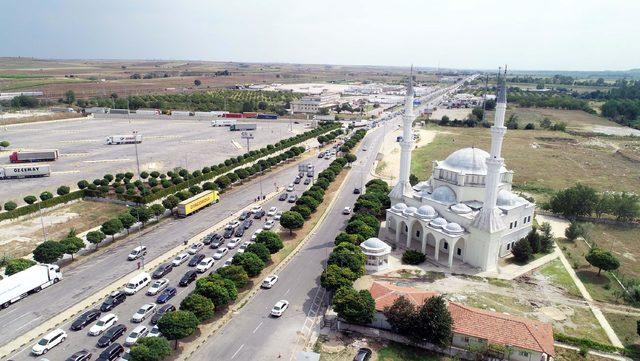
{"x": 413, "y": 257}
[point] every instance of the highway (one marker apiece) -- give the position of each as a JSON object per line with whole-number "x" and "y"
{"x": 99, "y": 271}
{"x": 253, "y": 334}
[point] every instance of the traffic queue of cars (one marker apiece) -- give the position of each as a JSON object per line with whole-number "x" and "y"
{"x": 103, "y": 322}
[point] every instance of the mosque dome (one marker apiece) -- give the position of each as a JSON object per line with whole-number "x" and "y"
{"x": 467, "y": 160}
{"x": 409, "y": 211}
{"x": 438, "y": 222}
{"x": 398, "y": 207}
{"x": 460, "y": 208}
{"x": 426, "y": 211}
{"x": 453, "y": 228}
{"x": 444, "y": 194}
{"x": 374, "y": 244}
{"x": 506, "y": 198}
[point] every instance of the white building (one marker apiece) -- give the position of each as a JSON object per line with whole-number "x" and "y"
{"x": 313, "y": 103}
{"x": 377, "y": 253}
{"x": 466, "y": 211}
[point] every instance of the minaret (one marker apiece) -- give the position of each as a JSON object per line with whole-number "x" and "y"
{"x": 488, "y": 219}
{"x": 403, "y": 186}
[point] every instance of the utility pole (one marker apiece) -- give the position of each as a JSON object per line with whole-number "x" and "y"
{"x": 135, "y": 144}
{"x": 44, "y": 231}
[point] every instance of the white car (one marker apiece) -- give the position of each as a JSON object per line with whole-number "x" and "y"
{"x": 256, "y": 209}
{"x": 144, "y": 312}
{"x": 204, "y": 265}
{"x": 255, "y": 234}
{"x": 272, "y": 211}
{"x": 243, "y": 247}
{"x": 232, "y": 225}
{"x": 221, "y": 252}
{"x": 195, "y": 248}
{"x": 49, "y": 341}
{"x": 136, "y": 334}
{"x": 269, "y": 281}
{"x": 181, "y": 258}
{"x": 157, "y": 286}
{"x": 137, "y": 253}
{"x": 279, "y": 308}
{"x": 278, "y": 216}
{"x": 103, "y": 323}
{"x": 155, "y": 332}
{"x": 269, "y": 224}
{"x": 228, "y": 262}
{"x": 290, "y": 188}
{"x": 234, "y": 242}
{"x": 346, "y": 210}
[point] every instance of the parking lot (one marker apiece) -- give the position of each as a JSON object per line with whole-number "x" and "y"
{"x": 166, "y": 144}
{"x": 78, "y": 340}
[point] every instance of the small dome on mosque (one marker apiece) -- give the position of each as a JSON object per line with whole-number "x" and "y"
{"x": 426, "y": 211}
{"x": 460, "y": 208}
{"x": 453, "y": 228}
{"x": 506, "y": 198}
{"x": 444, "y": 194}
{"x": 409, "y": 211}
{"x": 398, "y": 207}
{"x": 438, "y": 222}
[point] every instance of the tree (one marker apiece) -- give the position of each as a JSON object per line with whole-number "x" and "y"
{"x": 400, "y": 315}
{"x": 235, "y": 273}
{"x": 95, "y": 237}
{"x": 170, "y": 202}
{"x": 354, "y": 306}
{"x": 4, "y": 144}
{"x": 522, "y": 250}
{"x": 112, "y": 227}
{"x": 603, "y": 260}
{"x": 177, "y": 325}
{"x": 350, "y": 158}
{"x": 350, "y": 256}
{"x": 16, "y": 265}
{"x": 150, "y": 349}
{"x": 433, "y": 322}
{"x": 199, "y": 305}
{"x": 72, "y": 245}
{"x": 219, "y": 290}
{"x": 62, "y": 190}
{"x": 334, "y": 277}
{"x": 304, "y": 211}
{"x": 127, "y": 220}
{"x": 30, "y": 199}
{"x": 573, "y": 231}
{"x": 69, "y": 97}
{"x": 534, "y": 240}
{"x": 512, "y": 122}
{"x": 579, "y": 200}
{"x": 83, "y": 184}
{"x": 359, "y": 227}
{"x": 270, "y": 239}
{"x": 290, "y": 220}
{"x": 260, "y": 250}
{"x": 45, "y": 195}
{"x": 625, "y": 206}
{"x": 251, "y": 263}
{"x": 142, "y": 214}
{"x": 546, "y": 238}
{"x": 157, "y": 210}
{"x": 413, "y": 257}
{"x": 48, "y": 252}
{"x": 355, "y": 239}
{"x": 11, "y": 205}
{"x": 413, "y": 179}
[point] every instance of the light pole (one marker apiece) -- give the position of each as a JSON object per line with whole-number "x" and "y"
{"x": 135, "y": 144}
{"x": 44, "y": 231}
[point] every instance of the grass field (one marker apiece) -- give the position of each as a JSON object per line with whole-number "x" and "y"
{"x": 625, "y": 328}
{"x": 559, "y": 276}
{"x": 398, "y": 352}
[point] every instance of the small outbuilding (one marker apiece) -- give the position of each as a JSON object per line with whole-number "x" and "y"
{"x": 377, "y": 253}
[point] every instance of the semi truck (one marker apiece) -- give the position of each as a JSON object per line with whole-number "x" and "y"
{"x": 148, "y": 111}
{"x": 223, "y": 122}
{"x": 238, "y": 127}
{"x": 119, "y": 111}
{"x": 124, "y": 139}
{"x": 32, "y": 280}
{"x": 232, "y": 115}
{"x": 25, "y": 156}
{"x": 197, "y": 202}
{"x": 267, "y": 116}
{"x": 24, "y": 171}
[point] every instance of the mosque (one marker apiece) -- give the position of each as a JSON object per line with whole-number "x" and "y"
{"x": 466, "y": 212}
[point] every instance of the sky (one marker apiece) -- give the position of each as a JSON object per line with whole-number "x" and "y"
{"x": 527, "y": 35}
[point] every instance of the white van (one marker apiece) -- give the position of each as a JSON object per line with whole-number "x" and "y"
{"x": 49, "y": 341}
{"x": 137, "y": 283}
{"x": 137, "y": 253}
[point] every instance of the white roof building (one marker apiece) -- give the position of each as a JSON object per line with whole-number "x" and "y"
{"x": 377, "y": 253}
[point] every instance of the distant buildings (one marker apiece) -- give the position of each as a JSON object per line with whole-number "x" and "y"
{"x": 313, "y": 103}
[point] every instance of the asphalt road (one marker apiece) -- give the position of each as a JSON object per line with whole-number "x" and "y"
{"x": 88, "y": 278}
{"x": 84, "y": 154}
{"x": 253, "y": 334}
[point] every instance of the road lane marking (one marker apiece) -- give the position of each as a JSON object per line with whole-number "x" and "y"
{"x": 26, "y": 324}
{"x": 235, "y": 354}
{"x": 256, "y": 329}
{"x": 107, "y": 160}
{"x": 287, "y": 291}
{"x": 66, "y": 172}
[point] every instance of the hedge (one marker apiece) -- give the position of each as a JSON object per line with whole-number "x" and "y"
{"x": 584, "y": 342}
{"x": 30, "y": 208}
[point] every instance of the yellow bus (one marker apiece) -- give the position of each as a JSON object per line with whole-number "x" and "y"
{"x": 197, "y": 202}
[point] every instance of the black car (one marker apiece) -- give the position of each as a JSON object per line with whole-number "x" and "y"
{"x": 259, "y": 214}
{"x": 247, "y": 223}
{"x": 217, "y": 243}
{"x": 244, "y": 216}
{"x": 283, "y": 197}
{"x": 113, "y": 300}
{"x": 83, "y": 355}
{"x": 363, "y": 354}
{"x": 162, "y": 270}
{"x": 85, "y": 319}
{"x": 297, "y": 180}
{"x": 356, "y": 191}
{"x": 196, "y": 259}
{"x": 228, "y": 233}
{"x": 300, "y": 175}
{"x": 207, "y": 239}
{"x": 111, "y": 353}
{"x": 161, "y": 311}
{"x": 307, "y": 181}
{"x": 111, "y": 335}
{"x": 239, "y": 232}
{"x": 188, "y": 277}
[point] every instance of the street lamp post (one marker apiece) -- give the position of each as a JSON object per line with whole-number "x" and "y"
{"x": 135, "y": 144}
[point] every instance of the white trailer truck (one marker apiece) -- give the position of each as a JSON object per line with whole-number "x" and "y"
{"x": 124, "y": 139}
{"x": 24, "y": 283}
{"x": 24, "y": 171}
{"x": 223, "y": 122}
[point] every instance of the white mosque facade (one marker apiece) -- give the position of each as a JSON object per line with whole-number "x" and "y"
{"x": 466, "y": 211}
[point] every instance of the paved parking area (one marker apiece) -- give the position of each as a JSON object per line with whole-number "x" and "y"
{"x": 166, "y": 144}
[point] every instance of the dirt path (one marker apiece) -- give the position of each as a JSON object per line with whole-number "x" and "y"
{"x": 388, "y": 167}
